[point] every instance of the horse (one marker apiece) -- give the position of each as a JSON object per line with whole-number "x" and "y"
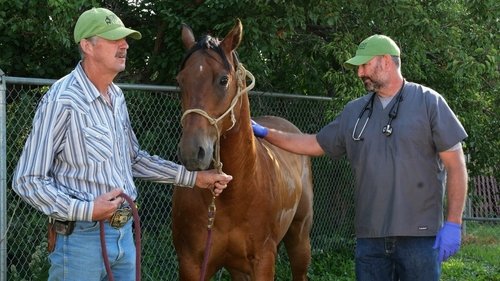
{"x": 270, "y": 198}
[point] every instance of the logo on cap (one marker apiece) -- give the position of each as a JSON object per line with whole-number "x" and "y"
{"x": 112, "y": 19}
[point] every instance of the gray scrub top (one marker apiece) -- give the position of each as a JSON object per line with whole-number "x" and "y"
{"x": 400, "y": 179}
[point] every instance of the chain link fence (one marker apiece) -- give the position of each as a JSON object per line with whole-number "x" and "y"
{"x": 155, "y": 114}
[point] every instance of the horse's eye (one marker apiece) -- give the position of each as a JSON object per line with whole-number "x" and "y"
{"x": 224, "y": 80}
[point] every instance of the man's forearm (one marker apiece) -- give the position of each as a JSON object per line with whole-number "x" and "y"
{"x": 304, "y": 144}
{"x": 456, "y": 186}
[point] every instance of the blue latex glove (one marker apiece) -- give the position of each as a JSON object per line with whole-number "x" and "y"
{"x": 259, "y": 130}
{"x": 448, "y": 240}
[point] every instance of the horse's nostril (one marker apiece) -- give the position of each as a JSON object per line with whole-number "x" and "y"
{"x": 201, "y": 154}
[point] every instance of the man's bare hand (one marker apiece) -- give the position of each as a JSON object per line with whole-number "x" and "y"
{"x": 106, "y": 204}
{"x": 211, "y": 179}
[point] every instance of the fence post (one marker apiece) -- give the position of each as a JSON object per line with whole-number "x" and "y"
{"x": 3, "y": 178}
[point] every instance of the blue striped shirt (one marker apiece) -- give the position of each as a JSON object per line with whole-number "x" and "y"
{"x": 80, "y": 147}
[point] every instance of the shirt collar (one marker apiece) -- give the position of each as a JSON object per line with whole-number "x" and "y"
{"x": 89, "y": 89}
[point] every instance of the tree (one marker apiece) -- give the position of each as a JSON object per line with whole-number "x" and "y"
{"x": 295, "y": 46}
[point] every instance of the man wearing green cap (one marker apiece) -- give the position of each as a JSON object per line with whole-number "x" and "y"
{"x": 404, "y": 145}
{"x": 82, "y": 155}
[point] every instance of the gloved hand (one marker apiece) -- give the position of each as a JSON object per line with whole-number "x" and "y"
{"x": 448, "y": 240}
{"x": 259, "y": 130}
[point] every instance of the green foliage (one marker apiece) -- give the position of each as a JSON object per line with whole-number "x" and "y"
{"x": 154, "y": 242}
{"x": 38, "y": 266}
{"x": 300, "y": 47}
{"x": 338, "y": 265}
{"x": 36, "y": 37}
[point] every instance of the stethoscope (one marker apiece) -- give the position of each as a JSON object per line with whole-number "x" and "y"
{"x": 387, "y": 129}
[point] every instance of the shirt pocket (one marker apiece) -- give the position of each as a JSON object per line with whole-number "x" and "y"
{"x": 98, "y": 143}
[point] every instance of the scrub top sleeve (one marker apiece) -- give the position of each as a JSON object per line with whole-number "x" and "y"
{"x": 447, "y": 130}
{"x": 330, "y": 139}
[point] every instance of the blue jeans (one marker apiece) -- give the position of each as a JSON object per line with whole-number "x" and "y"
{"x": 78, "y": 256}
{"x": 397, "y": 258}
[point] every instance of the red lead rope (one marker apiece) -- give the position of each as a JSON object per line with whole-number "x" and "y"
{"x": 208, "y": 243}
{"x": 137, "y": 229}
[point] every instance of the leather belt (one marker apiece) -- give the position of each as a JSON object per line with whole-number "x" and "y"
{"x": 61, "y": 227}
{"x": 119, "y": 218}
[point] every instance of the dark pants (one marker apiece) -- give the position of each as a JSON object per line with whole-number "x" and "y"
{"x": 397, "y": 258}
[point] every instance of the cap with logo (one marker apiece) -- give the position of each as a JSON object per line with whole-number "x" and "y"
{"x": 375, "y": 45}
{"x": 103, "y": 23}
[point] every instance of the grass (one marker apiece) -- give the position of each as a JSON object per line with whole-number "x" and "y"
{"x": 479, "y": 257}
{"x": 477, "y": 260}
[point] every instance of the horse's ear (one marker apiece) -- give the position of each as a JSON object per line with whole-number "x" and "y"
{"x": 187, "y": 36}
{"x": 233, "y": 38}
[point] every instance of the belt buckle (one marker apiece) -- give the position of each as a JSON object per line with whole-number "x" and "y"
{"x": 120, "y": 217}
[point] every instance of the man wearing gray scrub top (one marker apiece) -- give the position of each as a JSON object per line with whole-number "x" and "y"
{"x": 404, "y": 145}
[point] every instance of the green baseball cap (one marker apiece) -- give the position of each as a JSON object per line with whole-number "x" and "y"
{"x": 375, "y": 45}
{"x": 103, "y": 23}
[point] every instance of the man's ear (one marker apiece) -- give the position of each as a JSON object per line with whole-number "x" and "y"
{"x": 86, "y": 46}
{"x": 388, "y": 61}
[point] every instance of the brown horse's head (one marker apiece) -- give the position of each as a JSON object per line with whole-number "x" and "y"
{"x": 209, "y": 81}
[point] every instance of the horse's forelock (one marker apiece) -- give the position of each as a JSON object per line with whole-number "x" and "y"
{"x": 208, "y": 42}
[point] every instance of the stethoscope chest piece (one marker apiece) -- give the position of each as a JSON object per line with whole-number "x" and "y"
{"x": 387, "y": 130}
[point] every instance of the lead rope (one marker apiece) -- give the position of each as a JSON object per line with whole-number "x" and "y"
{"x": 211, "y": 211}
{"x": 241, "y": 74}
{"x": 137, "y": 229}
{"x": 208, "y": 243}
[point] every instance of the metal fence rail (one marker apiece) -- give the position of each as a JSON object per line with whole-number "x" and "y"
{"x": 155, "y": 114}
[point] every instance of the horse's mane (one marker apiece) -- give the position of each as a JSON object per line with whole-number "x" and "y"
{"x": 208, "y": 42}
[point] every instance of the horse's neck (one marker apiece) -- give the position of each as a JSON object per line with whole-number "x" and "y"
{"x": 237, "y": 146}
